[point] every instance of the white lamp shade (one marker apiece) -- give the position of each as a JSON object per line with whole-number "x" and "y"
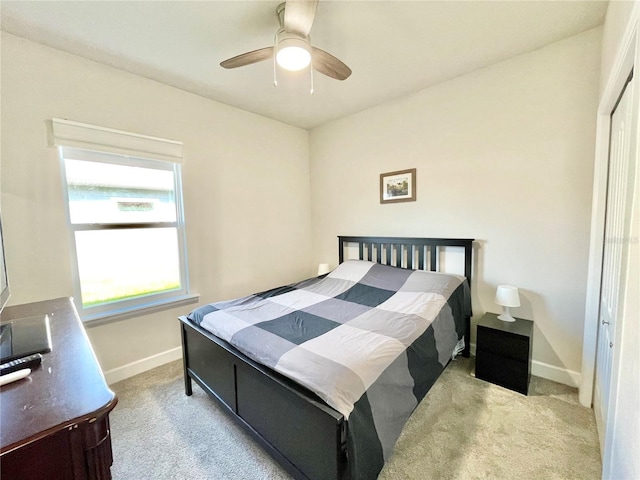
{"x": 507, "y": 296}
{"x": 323, "y": 268}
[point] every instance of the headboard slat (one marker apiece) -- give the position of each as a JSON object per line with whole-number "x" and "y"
{"x": 433, "y": 263}
{"x": 421, "y": 257}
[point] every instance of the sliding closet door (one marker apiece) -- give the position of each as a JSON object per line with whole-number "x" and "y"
{"x": 617, "y": 221}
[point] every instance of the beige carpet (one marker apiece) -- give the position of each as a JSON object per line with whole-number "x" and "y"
{"x": 464, "y": 429}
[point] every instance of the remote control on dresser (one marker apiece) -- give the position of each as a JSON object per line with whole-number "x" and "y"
{"x": 31, "y": 361}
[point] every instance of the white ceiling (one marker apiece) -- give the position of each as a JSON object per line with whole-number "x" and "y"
{"x": 394, "y": 48}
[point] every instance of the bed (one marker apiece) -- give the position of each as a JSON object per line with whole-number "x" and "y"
{"x": 330, "y": 423}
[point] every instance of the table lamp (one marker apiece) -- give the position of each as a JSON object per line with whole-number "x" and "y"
{"x": 507, "y": 296}
{"x": 323, "y": 269}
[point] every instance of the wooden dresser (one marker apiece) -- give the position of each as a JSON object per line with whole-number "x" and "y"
{"x": 54, "y": 424}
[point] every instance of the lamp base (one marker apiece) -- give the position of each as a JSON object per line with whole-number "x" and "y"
{"x": 506, "y": 317}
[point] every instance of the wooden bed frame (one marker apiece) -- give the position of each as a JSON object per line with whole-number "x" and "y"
{"x": 305, "y": 435}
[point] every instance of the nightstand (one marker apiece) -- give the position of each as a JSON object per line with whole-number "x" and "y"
{"x": 503, "y": 352}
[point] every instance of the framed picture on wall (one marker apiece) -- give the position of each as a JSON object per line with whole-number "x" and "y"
{"x": 398, "y": 186}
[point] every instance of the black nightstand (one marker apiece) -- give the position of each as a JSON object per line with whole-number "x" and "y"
{"x": 503, "y": 352}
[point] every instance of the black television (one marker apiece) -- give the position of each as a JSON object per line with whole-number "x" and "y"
{"x": 23, "y": 336}
{"x": 4, "y": 281}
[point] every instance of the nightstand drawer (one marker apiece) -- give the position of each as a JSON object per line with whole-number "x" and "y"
{"x": 511, "y": 374}
{"x": 503, "y": 344}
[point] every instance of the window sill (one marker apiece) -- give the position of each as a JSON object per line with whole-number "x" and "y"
{"x": 138, "y": 310}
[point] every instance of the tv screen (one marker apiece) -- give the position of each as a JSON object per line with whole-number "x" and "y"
{"x": 4, "y": 283}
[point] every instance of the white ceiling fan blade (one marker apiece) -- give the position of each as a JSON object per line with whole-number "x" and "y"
{"x": 299, "y": 15}
{"x": 329, "y": 65}
{"x": 248, "y": 58}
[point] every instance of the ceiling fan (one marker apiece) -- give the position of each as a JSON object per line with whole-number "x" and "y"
{"x": 292, "y": 45}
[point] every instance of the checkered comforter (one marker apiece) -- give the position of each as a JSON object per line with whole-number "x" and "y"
{"x": 368, "y": 339}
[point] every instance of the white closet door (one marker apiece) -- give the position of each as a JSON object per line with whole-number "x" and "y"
{"x": 616, "y": 222}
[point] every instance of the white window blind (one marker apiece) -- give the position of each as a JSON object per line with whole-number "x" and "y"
{"x": 101, "y": 139}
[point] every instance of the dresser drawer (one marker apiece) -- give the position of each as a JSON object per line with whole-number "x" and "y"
{"x": 508, "y": 373}
{"x": 504, "y": 344}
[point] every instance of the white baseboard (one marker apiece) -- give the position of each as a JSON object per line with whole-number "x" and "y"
{"x": 539, "y": 369}
{"x": 134, "y": 368}
{"x": 557, "y": 374}
{"x": 550, "y": 372}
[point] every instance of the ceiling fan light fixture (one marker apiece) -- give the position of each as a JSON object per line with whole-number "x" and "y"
{"x": 292, "y": 52}
{"x": 291, "y": 48}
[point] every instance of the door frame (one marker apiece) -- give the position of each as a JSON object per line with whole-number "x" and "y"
{"x": 627, "y": 56}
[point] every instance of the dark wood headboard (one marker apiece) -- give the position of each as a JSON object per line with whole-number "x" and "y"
{"x": 407, "y": 252}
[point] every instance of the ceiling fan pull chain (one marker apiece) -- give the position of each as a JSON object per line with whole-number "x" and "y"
{"x": 275, "y": 75}
{"x": 275, "y": 49}
{"x": 311, "y": 73}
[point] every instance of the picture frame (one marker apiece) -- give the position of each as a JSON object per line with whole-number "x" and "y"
{"x": 398, "y": 186}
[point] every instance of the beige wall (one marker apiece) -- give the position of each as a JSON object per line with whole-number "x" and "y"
{"x": 240, "y": 174}
{"x": 514, "y": 143}
{"x": 503, "y": 155}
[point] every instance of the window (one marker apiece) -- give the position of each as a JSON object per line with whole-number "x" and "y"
{"x": 127, "y": 228}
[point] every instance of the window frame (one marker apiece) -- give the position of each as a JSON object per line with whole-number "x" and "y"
{"x": 141, "y": 304}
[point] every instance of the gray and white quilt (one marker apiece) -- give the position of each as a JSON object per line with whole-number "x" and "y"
{"x": 368, "y": 339}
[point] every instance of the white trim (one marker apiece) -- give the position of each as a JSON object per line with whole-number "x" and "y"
{"x": 550, "y": 372}
{"x": 95, "y": 138}
{"x": 556, "y": 374}
{"x": 127, "y": 307}
{"x": 590, "y": 335}
{"x": 539, "y": 369}
{"x": 138, "y": 309}
{"x": 139, "y": 366}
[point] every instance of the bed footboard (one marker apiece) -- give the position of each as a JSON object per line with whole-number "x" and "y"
{"x": 304, "y": 435}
